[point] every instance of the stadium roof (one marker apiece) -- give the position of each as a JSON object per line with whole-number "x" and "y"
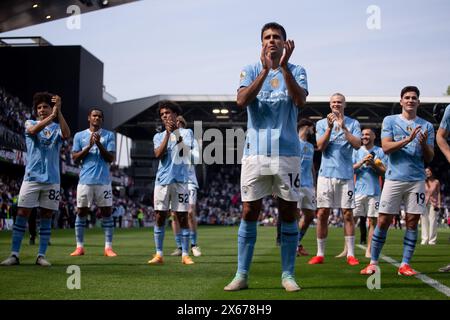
{"x": 15, "y": 14}
{"x": 137, "y": 118}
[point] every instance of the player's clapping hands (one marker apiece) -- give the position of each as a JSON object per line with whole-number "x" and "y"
{"x": 170, "y": 125}
{"x": 56, "y": 101}
{"x": 414, "y": 133}
{"x": 423, "y": 136}
{"x": 331, "y": 118}
{"x": 340, "y": 121}
{"x": 93, "y": 139}
{"x": 96, "y": 137}
{"x": 289, "y": 47}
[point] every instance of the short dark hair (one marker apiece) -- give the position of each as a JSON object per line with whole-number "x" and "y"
{"x": 171, "y": 105}
{"x": 40, "y": 97}
{"x": 304, "y": 122}
{"x": 410, "y": 89}
{"x": 368, "y": 128}
{"x": 96, "y": 109}
{"x": 274, "y": 25}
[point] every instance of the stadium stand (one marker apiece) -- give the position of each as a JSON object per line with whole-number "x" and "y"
{"x": 13, "y": 114}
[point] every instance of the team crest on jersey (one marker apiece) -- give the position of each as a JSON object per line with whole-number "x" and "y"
{"x": 275, "y": 83}
{"x": 409, "y": 128}
{"x": 46, "y": 133}
{"x": 242, "y": 75}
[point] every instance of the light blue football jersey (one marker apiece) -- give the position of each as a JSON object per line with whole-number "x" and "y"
{"x": 94, "y": 168}
{"x": 367, "y": 179}
{"x": 272, "y": 116}
{"x": 173, "y": 168}
{"x": 192, "y": 177}
{"x": 337, "y": 157}
{"x": 43, "y": 154}
{"x": 307, "y": 157}
{"x": 445, "y": 122}
{"x": 407, "y": 163}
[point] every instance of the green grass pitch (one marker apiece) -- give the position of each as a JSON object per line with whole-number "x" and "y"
{"x": 128, "y": 276}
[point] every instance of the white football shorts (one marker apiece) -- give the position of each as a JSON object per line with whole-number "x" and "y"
{"x": 412, "y": 193}
{"x": 88, "y": 194}
{"x": 264, "y": 176}
{"x": 307, "y": 198}
{"x": 366, "y": 206}
{"x": 35, "y": 194}
{"x": 174, "y": 196}
{"x": 335, "y": 193}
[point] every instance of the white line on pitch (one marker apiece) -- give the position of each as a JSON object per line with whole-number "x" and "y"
{"x": 429, "y": 281}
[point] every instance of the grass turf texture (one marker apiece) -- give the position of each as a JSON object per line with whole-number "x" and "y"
{"x": 128, "y": 276}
